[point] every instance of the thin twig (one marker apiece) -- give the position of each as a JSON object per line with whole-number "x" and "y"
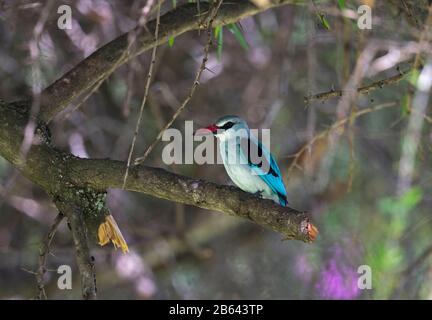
{"x": 362, "y": 90}
{"x": 30, "y": 128}
{"x": 352, "y": 157}
{"x": 44, "y": 250}
{"x": 142, "y": 20}
{"x": 334, "y": 127}
{"x": 195, "y": 84}
{"x": 58, "y": 96}
{"x": 144, "y": 100}
{"x": 92, "y": 90}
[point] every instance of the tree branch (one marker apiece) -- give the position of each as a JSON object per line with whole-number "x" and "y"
{"x": 57, "y": 171}
{"x": 100, "y": 64}
{"x": 74, "y": 214}
{"x": 44, "y": 250}
{"x": 67, "y": 178}
{"x": 361, "y": 90}
{"x": 212, "y": 16}
{"x": 145, "y": 96}
{"x": 102, "y": 174}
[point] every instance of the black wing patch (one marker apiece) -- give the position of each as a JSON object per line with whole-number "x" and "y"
{"x": 273, "y": 173}
{"x": 260, "y": 153}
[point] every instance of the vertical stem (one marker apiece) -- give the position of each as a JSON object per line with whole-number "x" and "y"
{"x": 84, "y": 259}
{"x": 43, "y": 255}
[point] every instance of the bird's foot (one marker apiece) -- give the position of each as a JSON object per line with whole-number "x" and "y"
{"x": 258, "y": 194}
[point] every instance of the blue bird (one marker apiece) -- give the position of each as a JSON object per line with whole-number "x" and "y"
{"x": 248, "y": 163}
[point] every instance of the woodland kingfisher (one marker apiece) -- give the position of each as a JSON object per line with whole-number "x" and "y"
{"x": 247, "y": 161}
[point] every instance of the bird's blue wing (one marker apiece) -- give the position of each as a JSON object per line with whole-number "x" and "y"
{"x": 264, "y": 166}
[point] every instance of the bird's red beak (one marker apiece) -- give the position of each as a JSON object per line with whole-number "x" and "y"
{"x": 211, "y": 129}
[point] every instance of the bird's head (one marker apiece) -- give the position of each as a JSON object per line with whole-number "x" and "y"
{"x": 225, "y": 128}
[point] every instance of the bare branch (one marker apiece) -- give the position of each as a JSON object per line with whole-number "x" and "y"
{"x": 74, "y": 213}
{"x": 55, "y": 171}
{"x": 103, "y": 173}
{"x": 195, "y": 84}
{"x": 97, "y": 66}
{"x": 361, "y": 90}
{"x": 131, "y": 39}
{"x": 336, "y": 126}
{"x": 144, "y": 100}
{"x": 44, "y": 250}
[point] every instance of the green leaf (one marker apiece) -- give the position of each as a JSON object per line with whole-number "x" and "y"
{"x": 217, "y": 30}
{"x": 174, "y": 3}
{"x": 400, "y": 206}
{"x": 413, "y": 76}
{"x": 341, "y": 4}
{"x": 219, "y": 37}
{"x": 171, "y": 41}
{"x": 411, "y": 198}
{"x": 324, "y": 21}
{"x": 238, "y": 35}
{"x": 405, "y": 105}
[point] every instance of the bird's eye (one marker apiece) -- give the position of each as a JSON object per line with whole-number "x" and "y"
{"x": 227, "y": 125}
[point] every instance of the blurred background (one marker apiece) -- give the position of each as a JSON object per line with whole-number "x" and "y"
{"x": 342, "y": 167}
